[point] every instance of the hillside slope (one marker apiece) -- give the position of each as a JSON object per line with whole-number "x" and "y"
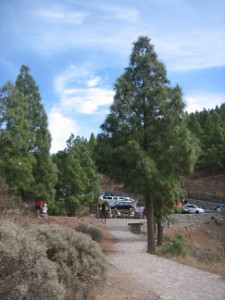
{"x": 203, "y": 186}
{"x": 200, "y": 186}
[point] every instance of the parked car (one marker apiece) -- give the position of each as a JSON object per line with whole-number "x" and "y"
{"x": 109, "y": 198}
{"x": 122, "y": 205}
{"x": 189, "y": 208}
{"x": 119, "y": 198}
{"x": 219, "y": 207}
{"x": 112, "y": 204}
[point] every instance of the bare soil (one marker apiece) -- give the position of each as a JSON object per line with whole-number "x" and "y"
{"x": 209, "y": 235}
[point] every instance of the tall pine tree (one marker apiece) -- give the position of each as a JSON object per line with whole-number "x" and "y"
{"x": 145, "y": 143}
{"x": 16, "y": 161}
{"x": 44, "y": 172}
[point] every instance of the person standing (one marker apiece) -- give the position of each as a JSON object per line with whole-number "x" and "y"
{"x": 44, "y": 210}
{"x": 39, "y": 207}
{"x": 104, "y": 212}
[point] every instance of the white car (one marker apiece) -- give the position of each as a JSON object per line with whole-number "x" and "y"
{"x": 189, "y": 208}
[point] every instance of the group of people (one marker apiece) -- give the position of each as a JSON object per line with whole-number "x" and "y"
{"x": 108, "y": 212}
{"x": 42, "y": 209}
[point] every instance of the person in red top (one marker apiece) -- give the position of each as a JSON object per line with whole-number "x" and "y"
{"x": 39, "y": 207}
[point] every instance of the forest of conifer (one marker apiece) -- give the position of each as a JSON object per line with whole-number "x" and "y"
{"x": 68, "y": 179}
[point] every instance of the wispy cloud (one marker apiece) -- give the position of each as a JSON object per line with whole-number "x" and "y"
{"x": 190, "y": 50}
{"x": 72, "y": 76}
{"x": 57, "y": 28}
{"x": 81, "y": 91}
{"x": 62, "y": 16}
{"x": 126, "y": 14}
{"x": 200, "y": 102}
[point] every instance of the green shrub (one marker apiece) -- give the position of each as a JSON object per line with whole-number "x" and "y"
{"x": 25, "y": 271}
{"x": 178, "y": 210}
{"x": 82, "y": 228}
{"x": 81, "y": 265}
{"x": 58, "y": 209}
{"x": 176, "y": 248}
{"x": 94, "y": 232}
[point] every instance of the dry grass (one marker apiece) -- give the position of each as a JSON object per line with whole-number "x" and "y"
{"x": 216, "y": 266}
{"x": 206, "y": 243}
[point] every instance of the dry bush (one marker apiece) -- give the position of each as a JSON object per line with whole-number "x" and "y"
{"x": 94, "y": 232}
{"x": 25, "y": 271}
{"x": 81, "y": 265}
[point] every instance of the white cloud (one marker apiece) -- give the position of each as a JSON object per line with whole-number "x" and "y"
{"x": 61, "y": 16}
{"x": 71, "y": 76}
{"x": 94, "y": 81}
{"x": 188, "y": 34}
{"x": 123, "y": 13}
{"x": 80, "y": 91}
{"x": 199, "y": 102}
{"x": 61, "y": 128}
{"x": 87, "y": 100}
{"x": 191, "y": 49}
{"x": 81, "y": 94}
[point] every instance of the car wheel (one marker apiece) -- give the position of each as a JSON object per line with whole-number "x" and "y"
{"x": 197, "y": 212}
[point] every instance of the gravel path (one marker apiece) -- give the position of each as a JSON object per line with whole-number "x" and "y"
{"x": 167, "y": 279}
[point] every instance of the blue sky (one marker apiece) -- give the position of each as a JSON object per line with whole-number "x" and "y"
{"x": 76, "y": 49}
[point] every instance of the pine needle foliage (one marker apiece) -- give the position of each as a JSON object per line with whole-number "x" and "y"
{"x": 176, "y": 248}
{"x": 145, "y": 143}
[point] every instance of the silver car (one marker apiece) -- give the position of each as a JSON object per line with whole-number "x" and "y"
{"x": 193, "y": 209}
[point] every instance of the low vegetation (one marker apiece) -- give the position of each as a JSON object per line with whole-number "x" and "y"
{"x": 177, "y": 247}
{"x": 49, "y": 262}
{"x": 204, "y": 259}
{"x": 203, "y": 244}
{"x": 25, "y": 270}
{"x": 94, "y": 232}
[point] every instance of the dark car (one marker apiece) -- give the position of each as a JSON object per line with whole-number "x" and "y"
{"x": 219, "y": 207}
{"x": 122, "y": 205}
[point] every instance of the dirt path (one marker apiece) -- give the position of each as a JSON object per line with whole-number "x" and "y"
{"x": 167, "y": 279}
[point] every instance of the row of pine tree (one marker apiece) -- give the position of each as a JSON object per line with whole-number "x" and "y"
{"x": 68, "y": 179}
{"x": 209, "y": 127}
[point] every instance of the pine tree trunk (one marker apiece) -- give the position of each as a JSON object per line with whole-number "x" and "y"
{"x": 150, "y": 224}
{"x": 159, "y": 232}
{"x": 72, "y": 211}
